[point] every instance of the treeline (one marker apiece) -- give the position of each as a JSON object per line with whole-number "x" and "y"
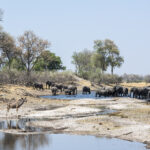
{"x": 129, "y": 78}
{"x": 27, "y": 53}
{"x": 92, "y": 65}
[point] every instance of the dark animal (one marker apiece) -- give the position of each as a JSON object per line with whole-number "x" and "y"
{"x": 72, "y": 89}
{"x": 101, "y": 92}
{"x": 59, "y": 87}
{"x": 65, "y": 87}
{"x": 118, "y": 90}
{"x": 125, "y": 91}
{"x": 136, "y": 92}
{"x": 38, "y": 86}
{"x": 67, "y": 92}
{"x": 104, "y": 92}
{"x": 133, "y": 92}
{"x": 148, "y": 95}
{"x": 110, "y": 91}
{"x": 141, "y": 93}
{"x": 86, "y": 90}
{"x": 54, "y": 90}
{"x": 49, "y": 84}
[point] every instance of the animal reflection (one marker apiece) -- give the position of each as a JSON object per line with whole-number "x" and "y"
{"x": 29, "y": 142}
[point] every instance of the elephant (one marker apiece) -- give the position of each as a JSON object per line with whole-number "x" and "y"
{"x": 133, "y": 92}
{"x": 54, "y": 90}
{"x": 110, "y": 91}
{"x": 125, "y": 91}
{"x": 118, "y": 90}
{"x": 144, "y": 93}
{"x": 100, "y": 93}
{"x": 49, "y": 84}
{"x": 65, "y": 87}
{"x": 141, "y": 93}
{"x": 73, "y": 89}
{"x": 59, "y": 87}
{"x": 38, "y": 86}
{"x": 86, "y": 90}
{"x": 67, "y": 92}
{"x": 148, "y": 95}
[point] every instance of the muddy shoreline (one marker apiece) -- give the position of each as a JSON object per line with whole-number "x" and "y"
{"x": 129, "y": 120}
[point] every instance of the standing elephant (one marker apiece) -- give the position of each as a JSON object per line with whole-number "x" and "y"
{"x": 38, "y": 86}
{"x": 101, "y": 92}
{"x": 49, "y": 84}
{"x": 54, "y": 90}
{"x": 125, "y": 91}
{"x": 72, "y": 89}
{"x": 86, "y": 90}
{"x": 59, "y": 87}
{"x": 118, "y": 91}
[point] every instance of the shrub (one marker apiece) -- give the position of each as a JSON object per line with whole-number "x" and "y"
{"x": 20, "y": 77}
{"x": 147, "y": 78}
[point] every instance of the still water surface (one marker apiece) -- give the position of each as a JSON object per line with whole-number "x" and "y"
{"x": 64, "y": 142}
{"x": 75, "y": 97}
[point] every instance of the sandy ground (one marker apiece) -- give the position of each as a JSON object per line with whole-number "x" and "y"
{"x": 130, "y": 119}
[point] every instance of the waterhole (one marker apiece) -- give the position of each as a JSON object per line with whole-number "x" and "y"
{"x": 75, "y": 97}
{"x": 64, "y": 142}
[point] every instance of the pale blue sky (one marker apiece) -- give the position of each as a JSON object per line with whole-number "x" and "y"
{"x": 74, "y": 25}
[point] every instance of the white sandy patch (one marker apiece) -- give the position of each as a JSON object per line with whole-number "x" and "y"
{"x": 68, "y": 110}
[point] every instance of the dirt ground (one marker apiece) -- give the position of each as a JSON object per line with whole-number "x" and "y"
{"x": 125, "y": 118}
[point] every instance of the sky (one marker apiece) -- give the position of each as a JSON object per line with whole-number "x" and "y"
{"x": 74, "y": 25}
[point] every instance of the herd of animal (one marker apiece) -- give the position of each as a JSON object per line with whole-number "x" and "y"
{"x": 119, "y": 91}
{"x": 116, "y": 91}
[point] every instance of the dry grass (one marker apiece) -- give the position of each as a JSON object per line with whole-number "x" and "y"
{"x": 141, "y": 84}
{"x": 137, "y": 114}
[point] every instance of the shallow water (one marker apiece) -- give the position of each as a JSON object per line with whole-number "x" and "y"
{"x": 64, "y": 142}
{"x": 75, "y": 97}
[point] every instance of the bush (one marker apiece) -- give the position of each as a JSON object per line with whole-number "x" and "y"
{"x": 147, "y": 79}
{"x": 99, "y": 78}
{"x": 109, "y": 79}
{"x": 129, "y": 78}
{"x": 20, "y": 77}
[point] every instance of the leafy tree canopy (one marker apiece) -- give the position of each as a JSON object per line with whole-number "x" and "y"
{"x": 48, "y": 61}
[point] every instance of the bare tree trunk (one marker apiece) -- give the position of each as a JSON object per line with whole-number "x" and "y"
{"x": 28, "y": 73}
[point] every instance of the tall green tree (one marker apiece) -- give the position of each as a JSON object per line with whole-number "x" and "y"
{"x": 29, "y": 49}
{"x": 114, "y": 59}
{"x": 101, "y": 55}
{"x": 48, "y": 61}
{"x": 107, "y": 54}
{"x": 82, "y": 62}
{"x": 7, "y": 48}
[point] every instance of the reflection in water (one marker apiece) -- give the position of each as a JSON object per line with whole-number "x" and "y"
{"x": 27, "y": 142}
{"x": 64, "y": 142}
{"x": 19, "y": 124}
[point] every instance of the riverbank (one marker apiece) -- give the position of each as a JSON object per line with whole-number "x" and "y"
{"x": 127, "y": 119}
